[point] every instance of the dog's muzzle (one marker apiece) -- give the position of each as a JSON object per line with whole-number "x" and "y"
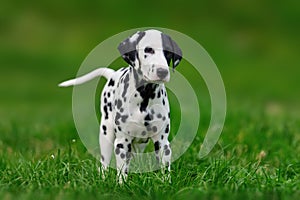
{"x": 162, "y": 73}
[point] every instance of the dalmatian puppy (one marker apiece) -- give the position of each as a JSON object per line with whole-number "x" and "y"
{"x": 134, "y": 103}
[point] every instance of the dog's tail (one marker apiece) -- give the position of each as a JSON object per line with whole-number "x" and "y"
{"x": 106, "y": 72}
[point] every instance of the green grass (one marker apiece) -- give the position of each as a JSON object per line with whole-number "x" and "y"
{"x": 256, "y": 48}
{"x": 256, "y": 157}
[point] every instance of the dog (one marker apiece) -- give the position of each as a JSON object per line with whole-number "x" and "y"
{"x": 134, "y": 103}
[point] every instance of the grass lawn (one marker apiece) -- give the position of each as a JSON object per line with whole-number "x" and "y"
{"x": 255, "y": 46}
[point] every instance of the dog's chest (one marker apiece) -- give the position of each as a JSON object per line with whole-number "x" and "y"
{"x": 141, "y": 112}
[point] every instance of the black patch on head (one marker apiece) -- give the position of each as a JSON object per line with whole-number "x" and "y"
{"x": 111, "y": 82}
{"x": 171, "y": 50}
{"x": 146, "y": 92}
{"x": 128, "y": 50}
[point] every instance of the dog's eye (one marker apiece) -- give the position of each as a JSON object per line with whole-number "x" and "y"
{"x": 149, "y": 50}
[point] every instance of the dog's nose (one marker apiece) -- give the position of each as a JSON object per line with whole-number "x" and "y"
{"x": 162, "y": 73}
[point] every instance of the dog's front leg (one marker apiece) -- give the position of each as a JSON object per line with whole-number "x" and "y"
{"x": 163, "y": 154}
{"x": 123, "y": 155}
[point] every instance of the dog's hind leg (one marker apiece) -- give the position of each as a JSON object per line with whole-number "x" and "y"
{"x": 106, "y": 140}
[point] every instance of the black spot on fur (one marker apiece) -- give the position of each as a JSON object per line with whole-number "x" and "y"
{"x": 120, "y": 145}
{"x": 117, "y": 151}
{"x": 111, "y": 82}
{"x": 154, "y": 128}
{"x": 156, "y": 146}
{"x": 128, "y": 155}
{"x": 144, "y": 133}
{"x": 146, "y": 124}
{"x": 122, "y": 155}
{"x": 146, "y": 92}
{"x": 162, "y": 137}
{"x": 110, "y": 107}
{"x": 105, "y": 112}
{"x": 158, "y": 94}
{"x": 148, "y": 117}
{"x": 167, "y": 152}
{"x": 119, "y": 128}
{"x": 159, "y": 115}
{"x": 105, "y": 100}
{"x": 164, "y": 118}
{"x": 163, "y": 102}
{"x": 129, "y": 147}
{"x": 169, "y": 114}
{"x": 108, "y": 94}
{"x": 123, "y": 118}
{"x": 165, "y": 147}
{"x": 118, "y": 103}
{"x": 167, "y": 129}
{"x": 126, "y": 85}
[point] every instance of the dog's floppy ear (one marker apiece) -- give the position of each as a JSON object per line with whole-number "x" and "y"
{"x": 127, "y": 48}
{"x": 171, "y": 50}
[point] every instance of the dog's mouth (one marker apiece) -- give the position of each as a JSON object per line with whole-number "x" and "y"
{"x": 157, "y": 81}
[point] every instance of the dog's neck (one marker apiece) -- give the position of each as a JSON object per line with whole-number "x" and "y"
{"x": 146, "y": 90}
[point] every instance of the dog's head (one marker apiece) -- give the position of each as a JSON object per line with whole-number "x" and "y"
{"x": 151, "y": 53}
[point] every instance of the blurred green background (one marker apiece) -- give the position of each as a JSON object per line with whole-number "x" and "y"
{"x": 255, "y": 45}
